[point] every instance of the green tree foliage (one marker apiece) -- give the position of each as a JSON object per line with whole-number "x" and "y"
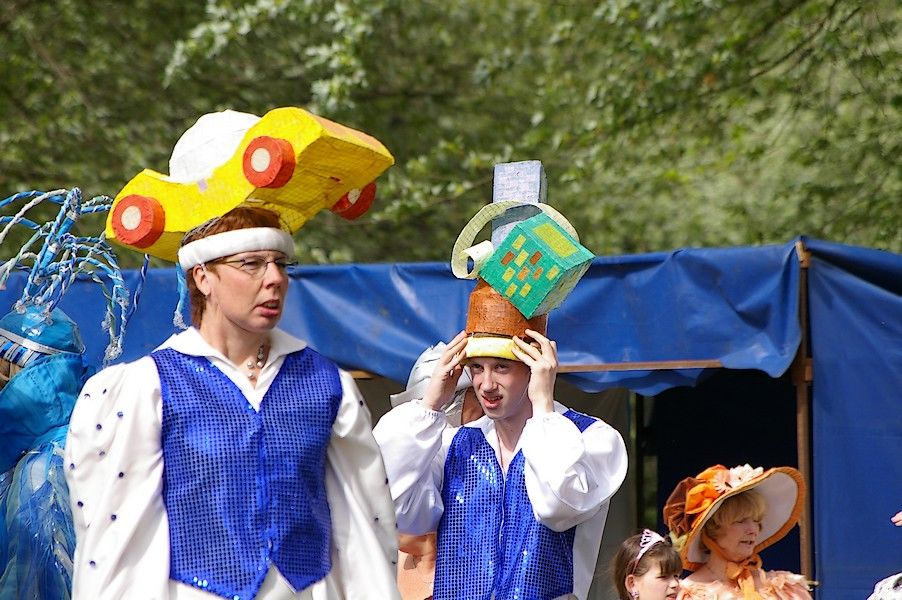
{"x": 82, "y": 101}
{"x": 661, "y": 123}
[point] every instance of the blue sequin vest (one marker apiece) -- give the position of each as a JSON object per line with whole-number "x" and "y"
{"x": 244, "y": 489}
{"x": 488, "y": 539}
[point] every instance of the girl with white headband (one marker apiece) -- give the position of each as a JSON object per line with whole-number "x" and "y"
{"x": 647, "y": 567}
{"x": 234, "y": 461}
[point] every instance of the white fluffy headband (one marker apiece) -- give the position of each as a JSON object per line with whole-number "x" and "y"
{"x": 233, "y": 242}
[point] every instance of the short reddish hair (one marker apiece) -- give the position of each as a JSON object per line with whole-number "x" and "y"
{"x": 243, "y": 217}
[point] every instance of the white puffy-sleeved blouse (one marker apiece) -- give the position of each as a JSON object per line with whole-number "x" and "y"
{"x": 114, "y": 466}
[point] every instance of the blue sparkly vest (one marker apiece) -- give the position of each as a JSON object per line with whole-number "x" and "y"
{"x": 488, "y": 539}
{"x": 244, "y": 489}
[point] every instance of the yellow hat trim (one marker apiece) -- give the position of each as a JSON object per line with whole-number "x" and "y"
{"x": 491, "y": 346}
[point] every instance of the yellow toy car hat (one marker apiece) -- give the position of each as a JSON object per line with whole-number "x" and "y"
{"x": 290, "y": 161}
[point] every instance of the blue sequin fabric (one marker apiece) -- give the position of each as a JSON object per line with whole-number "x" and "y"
{"x": 490, "y": 546}
{"x": 244, "y": 489}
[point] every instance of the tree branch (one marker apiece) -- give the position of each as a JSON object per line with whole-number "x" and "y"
{"x": 768, "y": 26}
{"x": 699, "y": 99}
{"x": 798, "y": 47}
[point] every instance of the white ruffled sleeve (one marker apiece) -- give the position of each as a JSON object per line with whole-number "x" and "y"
{"x": 570, "y": 474}
{"x": 414, "y": 441}
{"x": 114, "y": 468}
{"x": 364, "y": 536}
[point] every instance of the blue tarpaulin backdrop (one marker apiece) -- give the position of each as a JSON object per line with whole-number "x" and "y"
{"x": 736, "y": 305}
{"x": 855, "y": 298}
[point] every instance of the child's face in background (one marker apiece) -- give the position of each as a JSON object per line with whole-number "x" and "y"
{"x": 654, "y": 585}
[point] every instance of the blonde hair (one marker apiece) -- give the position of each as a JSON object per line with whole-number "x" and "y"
{"x": 745, "y": 505}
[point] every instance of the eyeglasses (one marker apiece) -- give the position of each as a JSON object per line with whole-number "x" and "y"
{"x": 256, "y": 266}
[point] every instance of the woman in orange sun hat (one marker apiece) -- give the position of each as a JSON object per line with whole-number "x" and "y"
{"x": 722, "y": 518}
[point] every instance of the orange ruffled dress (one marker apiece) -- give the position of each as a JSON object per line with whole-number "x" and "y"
{"x": 775, "y": 585}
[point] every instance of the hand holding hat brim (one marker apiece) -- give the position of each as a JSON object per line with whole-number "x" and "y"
{"x": 443, "y": 383}
{"x": 543, "y": 364}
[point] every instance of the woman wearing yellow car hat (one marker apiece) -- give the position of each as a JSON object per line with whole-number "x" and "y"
{"x": 234, "y": 461}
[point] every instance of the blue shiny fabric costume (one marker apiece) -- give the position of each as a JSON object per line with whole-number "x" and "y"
{"x": 37, "y": 539}
{"x": 37, "y": 536}
{"x": 244, "y": 488}
{"x": 489, "y": 541}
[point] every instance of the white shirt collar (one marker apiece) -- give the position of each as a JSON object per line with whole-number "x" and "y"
{"x": 191, "y": 343}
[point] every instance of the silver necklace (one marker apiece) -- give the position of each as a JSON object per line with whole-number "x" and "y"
{"x": 252, "y": 366}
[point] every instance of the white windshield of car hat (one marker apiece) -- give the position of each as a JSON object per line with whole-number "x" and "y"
{"x": 207, "y": 144}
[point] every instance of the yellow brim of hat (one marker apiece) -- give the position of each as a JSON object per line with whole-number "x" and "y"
{"x": 490, "y": 347}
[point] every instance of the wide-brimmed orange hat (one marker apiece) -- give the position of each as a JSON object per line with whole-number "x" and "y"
{"x": 696, "y": 499}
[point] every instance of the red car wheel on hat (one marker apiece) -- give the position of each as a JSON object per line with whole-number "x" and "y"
{"x": 356, "y": 202}
{"x": 138, "y": 220}
{"x": 268, "y": 162}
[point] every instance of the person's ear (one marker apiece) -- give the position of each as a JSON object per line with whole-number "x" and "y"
{"x": 630, "y": 583}
{"x": 201, "y": 279}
